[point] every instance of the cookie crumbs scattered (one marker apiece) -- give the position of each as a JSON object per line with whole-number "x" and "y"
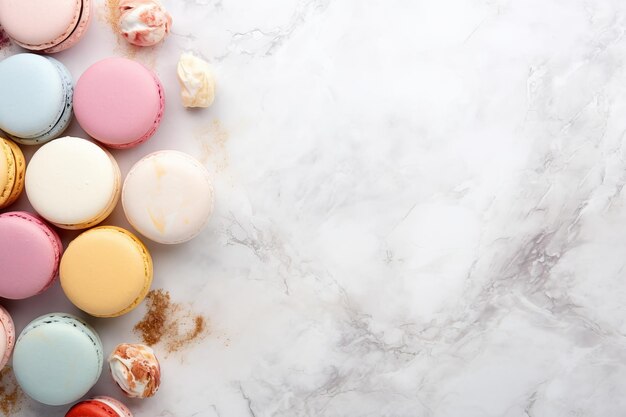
{"x": 146, "y": 56}
{"x": 152, "y": 326}
{"x": 113, "y": 14}
{"x": 10, "y": 393}
{"x": 4, "y": 39}
{"x": 169, "y": 323}
{"x": 179, "y": 342}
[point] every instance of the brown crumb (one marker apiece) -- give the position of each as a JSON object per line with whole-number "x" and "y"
{"x": 147, "y": 56}
{"x": 199, "y": 326}
{"x": 4, "y": 39}
{"x": 113, "y": 14}
{"x": 10, "y": 393}
{"x": 170, "y": 323}
{"x": 152, "y": 326}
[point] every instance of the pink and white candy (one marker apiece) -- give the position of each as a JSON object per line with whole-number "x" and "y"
{"x": 144, "y": 22}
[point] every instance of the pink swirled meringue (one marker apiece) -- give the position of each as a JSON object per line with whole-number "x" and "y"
{"x": 136, "y": 370}
{"x": 144, "y": 22}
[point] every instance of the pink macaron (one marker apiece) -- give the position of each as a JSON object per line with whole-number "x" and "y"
{"x": 29, "y": 255}
{"x": 44, "y": 25}
{"x": 7, "y": 336}
{"x": 119, "y": 102}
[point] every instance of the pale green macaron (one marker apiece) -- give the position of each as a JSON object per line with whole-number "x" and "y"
{"x": 57, "y": 359}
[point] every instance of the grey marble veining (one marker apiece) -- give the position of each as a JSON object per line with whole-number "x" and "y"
{"x": 420, "y": 209}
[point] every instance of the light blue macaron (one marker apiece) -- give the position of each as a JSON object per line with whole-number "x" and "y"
{"x": 57, "y": 359}
{"x": 35, "y": 98}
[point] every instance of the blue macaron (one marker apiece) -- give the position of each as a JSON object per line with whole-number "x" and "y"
{"x": 57, "y": 359}
{"x": 36, "y": 95}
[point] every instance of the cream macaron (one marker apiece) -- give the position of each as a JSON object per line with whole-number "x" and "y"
{"x": 73, "y": 183}
{"x": 168, "y": 197}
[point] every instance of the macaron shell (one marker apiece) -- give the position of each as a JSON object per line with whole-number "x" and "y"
{"x": 20, "y": 173}
{"x": 106, "y": 271}
{"x": 7, "y": 334}
{"x": 119, "y": 102}
{"x": 7, "y": 172}
{"x": 168, "y": 197}
{"x": 3, "y": 344}
{"x": 34, "y": 97}
{"x": 57, "y": 359}
{"x": 79, "y": 30}
{"x": 111, "y": 206}
{"x": 120, "y": 408}
{"x": 117, "y": 192}
{"x": 73, "y": 183}
{"x": 29, "y": 255}
{"x": 91, "y": 408}
{"x": 98, "y": 407}
{"x": 39, "y": 24}
{"x": 65, "y": 116}
{"x": 157, "y": 120}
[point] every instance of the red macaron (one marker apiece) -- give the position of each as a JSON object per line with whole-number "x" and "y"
{"x": 99, "y": 407}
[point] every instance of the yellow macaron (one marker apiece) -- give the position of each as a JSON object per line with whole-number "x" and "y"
{"x": 106, "y": 271}
{"x": 12, "y": 168}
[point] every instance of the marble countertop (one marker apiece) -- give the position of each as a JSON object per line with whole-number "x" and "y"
{"x": 420, "y": 210}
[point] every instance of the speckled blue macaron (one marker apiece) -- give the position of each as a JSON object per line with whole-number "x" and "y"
{"x": 57, "y": 359}
{"x": 36, "y": 95}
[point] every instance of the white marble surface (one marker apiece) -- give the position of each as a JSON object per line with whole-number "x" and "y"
{"x": 420, "y": 209}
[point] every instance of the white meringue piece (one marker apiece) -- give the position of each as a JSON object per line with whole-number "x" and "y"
{"x": 196, "y": 81}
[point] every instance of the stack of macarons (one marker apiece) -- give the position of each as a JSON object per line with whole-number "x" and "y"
{"x": 74, "y": 184}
